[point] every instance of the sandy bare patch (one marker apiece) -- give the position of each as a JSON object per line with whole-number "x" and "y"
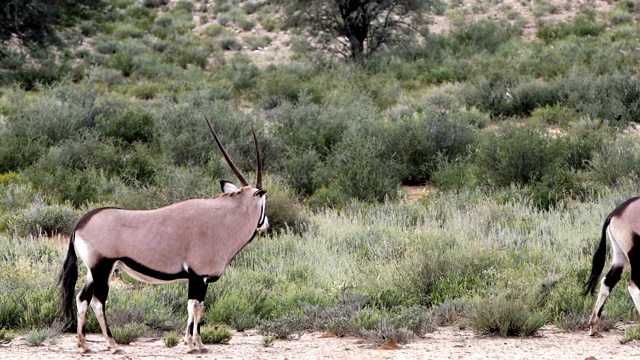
{"x": 445, "y": 343}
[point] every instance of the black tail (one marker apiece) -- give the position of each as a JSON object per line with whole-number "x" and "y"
{"x": 599, "y": 258}
{"x": 68, "y": 278}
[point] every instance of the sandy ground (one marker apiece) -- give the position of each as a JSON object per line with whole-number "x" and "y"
{"x": 445, "y": 343}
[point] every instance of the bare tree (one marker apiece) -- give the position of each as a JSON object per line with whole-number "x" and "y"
{"x": 356, "y": 28}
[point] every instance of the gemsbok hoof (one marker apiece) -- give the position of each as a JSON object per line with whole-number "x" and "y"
{"x": 118, "y": 352}
{"x": 193, "y": 351}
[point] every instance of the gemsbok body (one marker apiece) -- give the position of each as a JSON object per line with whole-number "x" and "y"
{"x": 623, "y": 227}
{"x": 193, "y": 240}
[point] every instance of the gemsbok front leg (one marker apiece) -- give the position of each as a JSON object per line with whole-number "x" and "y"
{"x": 195, "y": 308}
{"x": 623, "y": 228}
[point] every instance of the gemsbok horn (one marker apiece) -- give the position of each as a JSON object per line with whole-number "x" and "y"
{"x": 193, "y": 240}
{"x": 623, "y": 227}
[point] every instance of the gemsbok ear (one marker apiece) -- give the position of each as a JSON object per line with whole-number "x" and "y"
{"x": 227, "y": 186}
{"x": 259, "y": 192}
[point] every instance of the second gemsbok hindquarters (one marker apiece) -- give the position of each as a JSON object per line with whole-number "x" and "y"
{"x": 623, "y": 227}
{"x": 193, "y": 240}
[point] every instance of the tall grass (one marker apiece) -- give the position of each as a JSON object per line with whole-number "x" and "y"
{"x": 392, "y": 256}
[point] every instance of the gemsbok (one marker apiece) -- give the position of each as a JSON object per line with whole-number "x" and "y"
{"x": 190, "y": 240}
{"x": 623, "y": 227}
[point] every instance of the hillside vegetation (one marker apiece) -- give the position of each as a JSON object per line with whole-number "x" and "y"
{"x": 525, "y": 129}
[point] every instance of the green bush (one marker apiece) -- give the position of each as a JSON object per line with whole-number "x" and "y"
{"x": 617, "y": 160}
{"x": 306, "y": 125}
{"x": 517, "y": 155}
{"x": 37, "y": 337}
{"x": 283, "y": 211}
{"x": 171, "y": 339}
{"x": 420, "y": 140}
{"x": 59, "y": 113}
{"x": 128, "y": 333}
{"x": 504, "y": 316}
{"x": 256, "y": 42}
{"x": 630, "y": 334}
{"x": 154, "y": 3}
{"x": 456, "y": 174}
{"x": 451, "y": 312}
{"x": 40, "y": 219}
{"x": 234, "y": 310}
{"x": 483, "y": 35}
{"x": 298, "y": 169}
{"x": 244, "y": 23}
{"x": 580, "y": 26}
{"x": 360, "y": 170}
{"x": 128, "y": 124}
{"x": 214, "y": 30}
{"x": 215, "y": 335}
{"x": 285, "y": 327}
{"x": 229, "y": 42}
{"x": 15, "y": 192}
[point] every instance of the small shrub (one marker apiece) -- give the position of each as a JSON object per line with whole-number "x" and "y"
{"x": 128, "y": 125}
{"x": 284, "y": 327}
{"x": 517, "y": 155}
{"x": 214, "y": 30}
{"x": 268, "y": 339}
{"x": 483, "y": 35}
{"x": 581, "y": 25}
{"x": 451, "y": 312}
{"x": 283, "y": 211}
{"x": 244, "y": 23}
{"x": 553, "y": 115}
{"x": 41, "y": 219}
{"x": 6, "y": 336}
{"x": 630, "y": 334}
{"x": 229, "y": 42}
{"x": 616, "y": 161}
{"x": 256, "y": 42}
{"x": 415, "y": 319}
{"x": 422, "y": 138}
{"x": 16, "y": 195}
{"x": 233, "y": 310}
{"x": 154, "y": 3}
{"x": 171, "y": 339}
{"x": 500, "y": 315}
{"x": 129, "y": 333}
{"x": 37, "y": 337}
{"x": 386, "y": 331}
{"x": 223, "y": 19}
{"x": 361, "y": 171}
{"x": 215, "y": 335}
{"x": 454, "y": 175}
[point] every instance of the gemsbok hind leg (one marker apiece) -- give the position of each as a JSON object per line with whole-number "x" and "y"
{"x": 195, "y": 307}
{"x": 619, "y": 263}
{"x": 95, "y": 293}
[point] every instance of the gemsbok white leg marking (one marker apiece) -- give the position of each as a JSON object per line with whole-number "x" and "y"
{"x": 623, "y": 227}
{"x": 190, "y": 240}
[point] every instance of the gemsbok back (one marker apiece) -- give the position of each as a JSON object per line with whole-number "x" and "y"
{"x": 623, "y": 227}
{"x": 193, "y": 240}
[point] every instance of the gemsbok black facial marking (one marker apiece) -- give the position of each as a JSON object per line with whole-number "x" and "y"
{"x": 623, "y": 227}
{"x": 190, "y": 240}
